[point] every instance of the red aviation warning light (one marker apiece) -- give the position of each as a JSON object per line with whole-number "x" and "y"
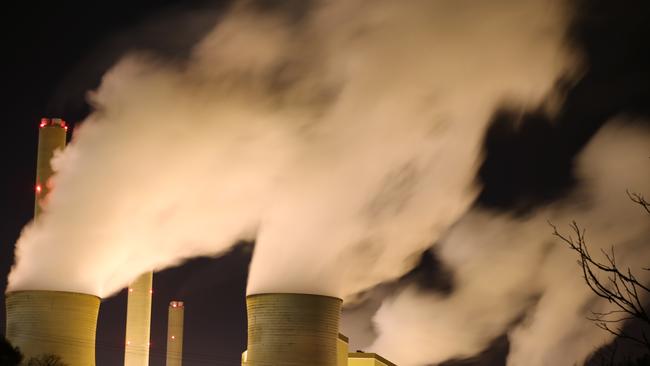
{"x": 38, "y": 189}
{"x": 53, "y": 122}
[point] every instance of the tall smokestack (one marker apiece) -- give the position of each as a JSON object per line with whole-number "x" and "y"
{"x": 175, "y": 318}
{"x": 138, "y": 321}
{"x": 51, "y": 137}
{"x": 292, "y": 329}
{"x": 52, "y": 322}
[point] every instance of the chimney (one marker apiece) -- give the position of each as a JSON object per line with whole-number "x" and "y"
{"x": 175, "y": 317}
{"x": 138, "y": 321}
{"x": 51, "y": 137}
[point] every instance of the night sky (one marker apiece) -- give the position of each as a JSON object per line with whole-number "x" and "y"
{"x": 53, "y": 53}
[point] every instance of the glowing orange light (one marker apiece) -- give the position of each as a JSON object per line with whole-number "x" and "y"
{"x": 151, "y": 291}
{"x": 128, "y": 343}
{"x": 38, "y": 188}
{"x": 130, "y": 289}
{"x": 173, "y": 337}
{"x": 44, "y": 122}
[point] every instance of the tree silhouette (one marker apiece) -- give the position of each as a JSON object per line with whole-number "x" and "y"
{"x": 46, "y": 360}
{"x": 619, "y": 286}
{"x": 9, "y": 355}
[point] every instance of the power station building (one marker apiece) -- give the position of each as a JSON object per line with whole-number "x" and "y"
{"x": 367, "y": 359}
{"x": 359, "y": 358}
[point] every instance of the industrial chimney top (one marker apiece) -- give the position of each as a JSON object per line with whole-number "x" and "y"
{"x": 53, "y": 122}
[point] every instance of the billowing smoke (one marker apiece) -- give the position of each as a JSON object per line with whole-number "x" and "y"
{"x": 343, "y": 137}
{"x": 512, "y": 276}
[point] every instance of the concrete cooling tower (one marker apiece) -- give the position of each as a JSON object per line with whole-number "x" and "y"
{"x": 53, "y": 322}
{"x": 292, "y": 330}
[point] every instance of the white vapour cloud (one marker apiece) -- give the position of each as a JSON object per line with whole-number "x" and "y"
{"x": 344, "y": 143}
{"x": 395, "y": 155}
{"x": 508, "y": 269}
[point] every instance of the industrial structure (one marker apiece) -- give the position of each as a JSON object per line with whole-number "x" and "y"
{"x": 299, "y": 329}
{"x": 342, "y": 350}
{"x": 292, "y": 329}
{"x": 358, "y": 358}
{"x": 51, "y": 138}
{"x": 138, "y": 321}
{"x": 52, "y": 322}
{"x": 284, "y": 329}
{"x": 175, "y": 319}
{"x": 367, "y": 359}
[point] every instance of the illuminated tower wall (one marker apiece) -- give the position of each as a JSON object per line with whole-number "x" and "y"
{"x": 53, "y": 322}
{"x": 292, "y": 329}
{"x": 342, "y": 345}
{"x": 138, "y": 321}
{"x": 51, "y": 138}
{"x": 175, "y": 319}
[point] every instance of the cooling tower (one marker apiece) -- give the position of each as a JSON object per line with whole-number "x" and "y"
{"x": 175, "y": 317}
{"x": 138, "y": 321}
{"x": 53, "y": 322}
{"x": 51, "y": 137}
{"x": 292, "y": 330}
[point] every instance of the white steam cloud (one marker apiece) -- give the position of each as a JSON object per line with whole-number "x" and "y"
{"x": 503, "y": 265}
{"x": 345, "y": 143}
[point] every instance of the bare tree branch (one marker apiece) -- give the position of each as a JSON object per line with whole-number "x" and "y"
{"x": 619, "y": 286}
{"x": 640, "y": 200}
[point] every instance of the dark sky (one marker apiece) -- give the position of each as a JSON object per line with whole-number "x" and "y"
{"x": 53, "y": 52}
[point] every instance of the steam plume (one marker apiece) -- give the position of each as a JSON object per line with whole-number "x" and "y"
{"x": 344, "y": 141}
{"x": 512, "y": 276}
